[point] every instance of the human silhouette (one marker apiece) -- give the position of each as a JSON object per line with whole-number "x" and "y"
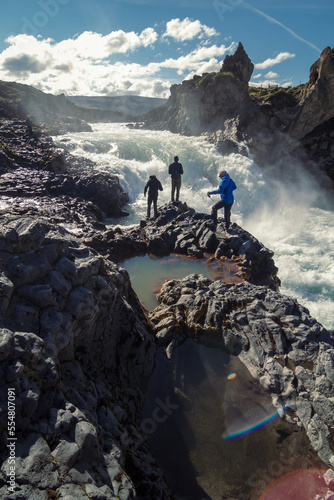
{"x": 175, "y": 170}
{"x": 153, "y": 186}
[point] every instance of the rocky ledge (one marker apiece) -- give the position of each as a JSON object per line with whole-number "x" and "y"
{"x": 180, "y": 230}
{"x": 38, "y": 175}
{"x": 77, "y": 349}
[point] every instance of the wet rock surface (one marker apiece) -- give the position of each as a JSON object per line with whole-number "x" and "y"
{"x": 34, "y": 168}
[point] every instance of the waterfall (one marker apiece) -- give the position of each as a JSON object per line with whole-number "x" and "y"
{"x": 282, "y": 215}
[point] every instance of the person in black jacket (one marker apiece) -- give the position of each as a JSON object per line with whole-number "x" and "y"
{"x": 153, "y": 186}
{"x": 175, "y": 170}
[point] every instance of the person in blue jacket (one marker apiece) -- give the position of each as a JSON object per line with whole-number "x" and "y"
{"x": 225, "y": 189}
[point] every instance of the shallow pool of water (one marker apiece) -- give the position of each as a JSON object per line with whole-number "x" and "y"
{"x": 148, "y": 273}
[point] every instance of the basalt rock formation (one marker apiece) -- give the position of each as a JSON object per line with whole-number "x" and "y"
{"x": 270, "y": 122}
{"x": 35, "y": 171}
{"x": 75, "y": 352}
{"x": 204, "y": 103}
{"x": 77, "y": 349}
{"x": 282, "y": 346}
{"x": 178, "y": 229}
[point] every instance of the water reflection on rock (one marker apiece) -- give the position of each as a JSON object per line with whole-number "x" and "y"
{"x": 203, "y": 406}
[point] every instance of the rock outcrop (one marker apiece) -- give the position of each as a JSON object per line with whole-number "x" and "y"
{"x": 271, "y": 123}
{"x": 35, "y": 168}
{"x": 276, "y": 338}
{"x": 239, "y": 65}
{"x": 75, "y": 352}
{"x": 317, "y": 106}
{"x": 180, "y": 230}
{"x": 205, "y": 102}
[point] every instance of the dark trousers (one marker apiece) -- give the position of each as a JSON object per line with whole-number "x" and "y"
{"x": 227, "y": 212}
{"x": 150, "y": 200}
{"x": 176, "y": 184}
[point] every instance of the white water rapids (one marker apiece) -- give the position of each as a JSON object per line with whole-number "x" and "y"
{"x": 282, "y": 216}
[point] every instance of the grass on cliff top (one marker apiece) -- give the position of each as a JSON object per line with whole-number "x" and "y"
{"x": 213, "y": 76}
{"x": 273, "y": 95}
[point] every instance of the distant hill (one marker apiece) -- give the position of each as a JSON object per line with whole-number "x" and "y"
{"x": 55, "y": 114}
{"x": 128, "y": 104}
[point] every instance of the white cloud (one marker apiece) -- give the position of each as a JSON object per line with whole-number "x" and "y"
{"x": 270, "y": 83}
{"x": 87, "y": 45}
{"x": 282, "y": 56}
{"x": 271, "y": 75}
{"x": 187, "y": 29}
{"x": 195, "y": 59}
{"x": 87, "y": 64}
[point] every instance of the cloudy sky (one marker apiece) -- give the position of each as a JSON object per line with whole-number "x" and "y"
{"x": 142, "y": 47}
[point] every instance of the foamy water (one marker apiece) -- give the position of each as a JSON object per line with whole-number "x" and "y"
{"x": 280, "y": 215}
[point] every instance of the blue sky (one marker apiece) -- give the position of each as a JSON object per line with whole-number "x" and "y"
{"x": 142, "y": 47}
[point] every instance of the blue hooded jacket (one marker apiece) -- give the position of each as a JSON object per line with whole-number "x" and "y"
{"x": 225, "y": 189}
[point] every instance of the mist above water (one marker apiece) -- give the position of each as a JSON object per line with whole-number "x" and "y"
{"x": 283, "y": 214}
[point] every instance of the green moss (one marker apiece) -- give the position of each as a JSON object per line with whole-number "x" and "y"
{"x": 276, "y": 95}
{"x": 204, "y": 79}
{"x": 225, "y": 75}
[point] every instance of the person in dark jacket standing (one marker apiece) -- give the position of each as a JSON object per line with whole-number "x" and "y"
{"x": 153, "y": 186}
{"x": 225, "y": 189}
{"x": 175, "y": 170}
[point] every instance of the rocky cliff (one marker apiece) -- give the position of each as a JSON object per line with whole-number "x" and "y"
{"x": 270, "y": 122}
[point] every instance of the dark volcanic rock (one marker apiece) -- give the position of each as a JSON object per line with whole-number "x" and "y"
{"x": 280, "y": 343}
{"x": 76, "y": 351}
{"x": 239, "y": 65}
{"x": 34, "y": 167}
{"x": 318, "y": 104}
{"x": 179, "y": 229}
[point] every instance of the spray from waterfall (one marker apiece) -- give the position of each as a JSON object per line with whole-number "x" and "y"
{"x": 282, "y": 210}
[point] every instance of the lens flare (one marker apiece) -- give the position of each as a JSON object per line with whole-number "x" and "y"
{"x": 299, "y": 484}
{"x": 231, "y": 376}
{"x": 254, "y": 419}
